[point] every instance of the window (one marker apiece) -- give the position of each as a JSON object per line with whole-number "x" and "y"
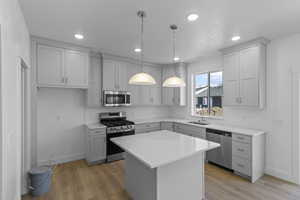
{"x": 208, "y": 94}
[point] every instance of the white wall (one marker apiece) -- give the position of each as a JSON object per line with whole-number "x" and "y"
{"x": 61, "y": 115}
{"x": 283, "y": 58}
{"x": 14, "y": 44}
{"x": 60, "y": 124}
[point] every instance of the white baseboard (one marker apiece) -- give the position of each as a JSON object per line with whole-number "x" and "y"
{"x": 61, "y": 159}
{"x": 281, "y": 174}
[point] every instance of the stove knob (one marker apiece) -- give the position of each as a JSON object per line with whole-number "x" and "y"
{"x": 129, "y": 126}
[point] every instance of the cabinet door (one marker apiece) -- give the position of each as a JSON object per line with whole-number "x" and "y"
{"x": 109, "y": 75}
{"x": 122, "y": 81}
{"x": 167, "y": 93}
{"x": 76, "y": 69}
{"x": 231, "y": 79}
{"x": 50, "y": 66}
{"x": 97, "y": 147}
{"x": 94, "y": 93}
{"x": 249, "y": 88}
{"x": 155, "y": 95}
{"x": 146, "y": 98}
{"x": 133, "y": 69}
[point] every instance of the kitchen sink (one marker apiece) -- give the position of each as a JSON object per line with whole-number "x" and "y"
{"x": 199, "y": 123}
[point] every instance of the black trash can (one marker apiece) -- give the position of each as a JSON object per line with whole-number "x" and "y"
{"x": 40, "y": 180}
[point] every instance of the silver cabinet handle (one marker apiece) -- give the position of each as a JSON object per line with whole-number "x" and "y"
{"x": 237, "y": 99}
{"x": 62, "y": 79}
{"x": 241, "y": 150}
{"x": 66, "y": 79}
{"x": 240, "y": 138}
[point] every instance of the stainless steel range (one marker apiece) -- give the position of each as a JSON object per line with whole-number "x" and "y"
{"x": 117, "y": 126}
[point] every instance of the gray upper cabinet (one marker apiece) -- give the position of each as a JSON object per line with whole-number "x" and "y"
{"x": 50, "y": 66}
{"x": 135, "y": 90}
{"x": 76, "y": 68}
{"x": 94, "y": 93}
{"x": 60, "y": 67}
{"x": 114, "y": 75}
{"x": 244, "y": 74}
{"x": 152, "y": 94}
{"x": 174, "y": 96}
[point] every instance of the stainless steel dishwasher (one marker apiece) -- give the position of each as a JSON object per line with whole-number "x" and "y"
{"x": 223, "y": 155}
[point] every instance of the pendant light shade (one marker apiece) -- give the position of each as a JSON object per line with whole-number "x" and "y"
{"x": 142, "y": 78}
{"x": 174, "y": 81}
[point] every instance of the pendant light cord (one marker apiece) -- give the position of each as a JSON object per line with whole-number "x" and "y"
{"x": 142, "y": 42}
{"x": 173, "y": 27}
{"x": 174, "y": 47}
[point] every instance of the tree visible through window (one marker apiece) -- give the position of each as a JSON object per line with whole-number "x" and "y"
{"x": 208, "y": 94}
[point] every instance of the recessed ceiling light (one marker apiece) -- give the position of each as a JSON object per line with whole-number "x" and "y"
{"x": 235, "y": 38}
{"x": 192, "y": 17}
{"x": 78, "y": 36}
{"x": 137, "y": 50}
{"x": 176, "y": 59}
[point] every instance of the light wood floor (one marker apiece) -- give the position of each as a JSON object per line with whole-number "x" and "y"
{"x": 77, "y": 181}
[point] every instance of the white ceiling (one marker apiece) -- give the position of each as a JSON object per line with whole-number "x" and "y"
{"x": 112, "y": 25}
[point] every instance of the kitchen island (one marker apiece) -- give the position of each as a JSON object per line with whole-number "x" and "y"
{"x": 164, "y": 165}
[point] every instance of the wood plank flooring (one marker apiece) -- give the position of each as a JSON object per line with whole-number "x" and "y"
{"x": 77, "y": 181}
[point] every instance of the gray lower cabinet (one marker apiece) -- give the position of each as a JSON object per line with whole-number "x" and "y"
{"x": 167, "y": 126}
{"x": 147, "y": 127}
{"x": 95, "y": 145}
{"x": 248, "y": 155}
{"x": 190, "y": 130}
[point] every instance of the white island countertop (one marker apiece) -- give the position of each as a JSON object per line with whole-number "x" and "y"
{"x": 159, "y": 148}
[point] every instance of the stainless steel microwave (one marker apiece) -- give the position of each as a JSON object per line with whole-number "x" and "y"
{"x": 116, "y": 98}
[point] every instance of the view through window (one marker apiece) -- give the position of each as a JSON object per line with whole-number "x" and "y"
{"x": 208, "y": 94}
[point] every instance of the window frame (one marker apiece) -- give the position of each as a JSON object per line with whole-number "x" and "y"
{"x": 193, "y": 107}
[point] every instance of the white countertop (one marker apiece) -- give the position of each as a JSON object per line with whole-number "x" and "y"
{"x": 243, "y": 131}
{"x": 96, "y": 125}
{"x": 159, "y": 148}
{"x": 233, "y": 129}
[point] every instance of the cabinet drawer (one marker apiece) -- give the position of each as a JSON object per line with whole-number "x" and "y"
{"x": 241, "y": 138}
{"x": 241, "y": 165}
{"x": 241, "y": 149}
{"x": 97, "y": 132}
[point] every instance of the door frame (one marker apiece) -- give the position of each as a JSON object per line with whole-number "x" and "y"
{"x": 295, "y": 127}
{"x": 24, "y": 79}
{"x": 2, "y": 150}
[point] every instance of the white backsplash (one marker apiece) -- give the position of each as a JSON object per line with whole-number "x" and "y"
{"x": 133, "y": 113}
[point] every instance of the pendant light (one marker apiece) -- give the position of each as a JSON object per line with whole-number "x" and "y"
{"x": 142, "y": 78}
{"x": 174, "y": 81}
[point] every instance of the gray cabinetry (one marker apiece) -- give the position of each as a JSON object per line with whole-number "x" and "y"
{"x": 190, "y": 130}
{"x": 95, "y": 148}
{"x": 245, "y": 74}
{"x": 61, "y": 67}
{"x": 94, "y": 92}
{"x": 248, "y": 155}
{"x": 147, "y": 127}
{"x": 167, "y": 126}
{"x": 174, "y": 96}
